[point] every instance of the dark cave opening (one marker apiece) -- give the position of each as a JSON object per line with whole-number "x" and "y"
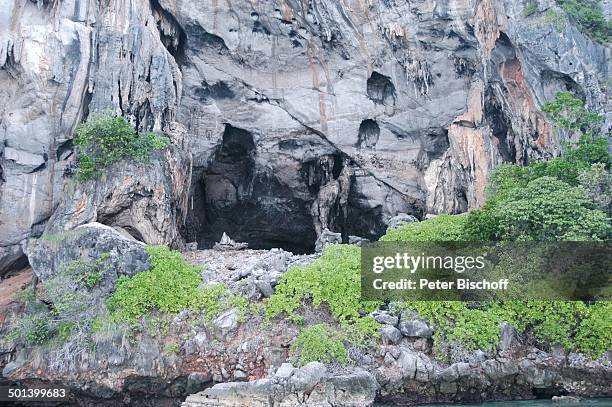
{"x": 235, "y": 195}
{"x": 369, "y": 133}
{"x": 501, "y": 126}
{"x": 380, "y": 89}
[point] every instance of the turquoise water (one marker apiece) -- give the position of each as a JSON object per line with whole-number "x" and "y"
{"x": 529, "y": 403}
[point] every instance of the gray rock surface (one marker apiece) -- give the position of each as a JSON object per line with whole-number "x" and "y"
{"x": 298, "y": 116}
{"x": 51, "y": 254}
{"x": 310, "y": 385}
{"x": 327, "y": 238}
{"x": 400, "y": 220}
{"x": 415, "y": 328}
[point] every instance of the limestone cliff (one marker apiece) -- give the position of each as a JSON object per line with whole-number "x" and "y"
{"x": 286, "y": 116}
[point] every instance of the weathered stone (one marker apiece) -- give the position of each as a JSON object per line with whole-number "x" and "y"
{"x": 308, "y": 386}
{"x": 390, "y": 334}
{"x": 226, "y": 322}
{"x": 508, "y": 337}
{"x": 119, "y": 255}
{"x": 197, "y": 381}
{"x": 228, "y": 244}
{"x": 285, "y": 371}
{"x": 327, "y": 238}
{"x": 415, "y": 328}
{"x": 399, "y": 220}
{"x": 386, "y": 318}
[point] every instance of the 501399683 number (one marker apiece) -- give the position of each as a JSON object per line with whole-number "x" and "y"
{"x": 10, "y": 393}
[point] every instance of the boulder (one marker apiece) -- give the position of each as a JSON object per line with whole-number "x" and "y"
{"x": 327, "y": 238}
{"x": 386, "y": 318}
{"x": 309, "y": 386}
{"x": 415, "y": 328}
{"x": 226, "y": 243}
{"x": 115, "y": 254}
{"x": 400, "y": 220}
{"x": 390, "y": 334}
{"x": 226, "y": 323}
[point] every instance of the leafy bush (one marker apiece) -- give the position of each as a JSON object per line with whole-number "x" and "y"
{"x": 569, "y": 113}
{"x": 590, "y": 18}
{"x": 549, "y": 209}
{"x": 593, "y": 335}
{"x": 597, "y": 184}
{"x": 320, "y": 343}
{"x": 518, "y": 209}
{"x": 553, "y": 323}
{"x": 172, "y": 349}
{"x": 171, "y": 285}
{"x": 105, "y": 139}
{"x": 441, "y": 228}
{"x": 333, "y": 281}
{"x": 89, "y": 272}
{"x": 36, "y": 330}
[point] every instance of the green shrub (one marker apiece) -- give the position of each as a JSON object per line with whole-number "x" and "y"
{"x": 320, "y": 343}
{"x": 172, "y": 349}
{"x": 568, "y": 112}
{"x": 553, "y": 323}
{"x": 105, "y": 139}
{"x": 334, "y": 280}
{"x": 89, "y": 272}
{"x": 442, "y": 228}
{"x": 549, "y": 209}
{"x": 40, "y": 331}
{"x": 589, "y": 17}
{"x": 593, "y": 336}
{"x": 597, "y": 184}
{"x": 171, "y": 285}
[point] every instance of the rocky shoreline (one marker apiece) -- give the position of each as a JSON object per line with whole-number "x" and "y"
{"x": 234, "y": 362}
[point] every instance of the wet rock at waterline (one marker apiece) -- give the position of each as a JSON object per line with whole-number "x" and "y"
{"x": 310, "y": 385}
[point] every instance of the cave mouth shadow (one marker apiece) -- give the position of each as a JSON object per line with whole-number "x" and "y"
{"x": 230, "y": 195}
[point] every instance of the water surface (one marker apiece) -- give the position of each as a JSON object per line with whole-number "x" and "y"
{"x": 525, "y": 403}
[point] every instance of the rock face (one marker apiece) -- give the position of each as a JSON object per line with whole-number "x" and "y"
{"x": 309, "y": 386}
{"x": 51, "y": 254}
{"x": 291, "y": 117}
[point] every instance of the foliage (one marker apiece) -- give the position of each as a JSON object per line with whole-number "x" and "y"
{"x": 541, "y": 201}
{"x": 589, "y": 17}
{"x": 593, "y": 335}
{"x": 172, "y": 349}
{"x": 333, "y": 281}
{"x": 35, "y": 329}
{"x": 441, "y": 228}
{"x": 89, "y": 272}
{"x": 320, "y": 343}
{"x": 569, "y": 113}
{"x": 570, "y": 324}
{"x": 550, "y": 209}
{"x": 105, "y": 139}
{"x": 597, "y": 184}
{"x": 170, "y": 286}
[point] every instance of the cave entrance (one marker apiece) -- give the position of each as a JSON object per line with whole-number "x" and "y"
{"x": 239, "y": 194}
